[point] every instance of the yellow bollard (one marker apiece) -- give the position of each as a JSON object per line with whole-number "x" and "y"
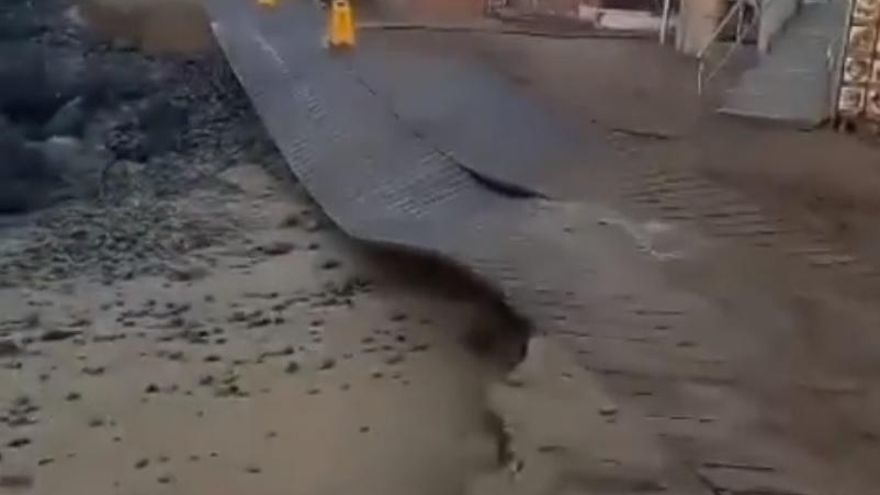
{"x": 267, "y": 3}
{"x": 341, "y": 25}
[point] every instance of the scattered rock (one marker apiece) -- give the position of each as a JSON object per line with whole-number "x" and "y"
{"x": 58, "y": 335}
{"x": 80, "y": 322}
{"x": 253, "y": 469}
{"x": 94, "y": 370}
{"x": 291, "y": 220}
{"x": 608, "y": 410}
{"x": 152, "y": 389}
{"x": 16, "y": 481}
{"x": 96, "y": 422}
{"x": 165, "y": 479}
{"x": 259, "y": 322}
{"x": 212, "y": 358}
{"x": 17, "y": 443}
{"x": 396, "y": 358}
{"x": 73, "y": 396}
{"x": 187, "y": 273}
{"x": 142, "y": 463}
{"x": 230, "y": 390}
{"x": 327, "y": 364}
{"x": 9, "y": 348}
{"x": 175, "y": 356}
{"x": 175, "y": 322}
{"x": 292, "y": 367}
{"x": 276, "y": 248}
{"x": 398, "y": 316}
{"x": 330, "y": 264}
{"x": 285, "y": 351}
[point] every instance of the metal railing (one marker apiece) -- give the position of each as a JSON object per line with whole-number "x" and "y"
{"x": 707, "y": 70}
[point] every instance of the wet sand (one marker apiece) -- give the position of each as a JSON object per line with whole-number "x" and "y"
{"x": 293, "y": 360}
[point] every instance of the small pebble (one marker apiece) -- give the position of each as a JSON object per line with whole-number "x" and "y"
{"x": 330, "y": 264}
{"x": 292, "y": 367}
{"x": 608, "y": 410}
{"x": 16, "y": 481}
{"x": 17, "y": 443}
{"x": 93, "y": 370}
{"x": 395, "y": 358}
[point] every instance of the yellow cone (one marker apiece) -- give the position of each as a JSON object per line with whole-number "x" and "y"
{"x": 341, "y": 24}
{"x": 267, "y": 3}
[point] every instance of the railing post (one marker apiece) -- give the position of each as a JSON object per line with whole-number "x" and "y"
{"x": 664, "y": 22}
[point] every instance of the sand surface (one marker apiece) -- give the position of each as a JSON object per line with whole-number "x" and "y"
{"x": 290, "y": 361}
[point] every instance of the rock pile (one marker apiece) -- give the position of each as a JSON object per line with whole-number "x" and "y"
{"x": 114, "y": 134}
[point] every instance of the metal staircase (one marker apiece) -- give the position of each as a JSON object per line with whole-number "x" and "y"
{"x": 792, "y": 82}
